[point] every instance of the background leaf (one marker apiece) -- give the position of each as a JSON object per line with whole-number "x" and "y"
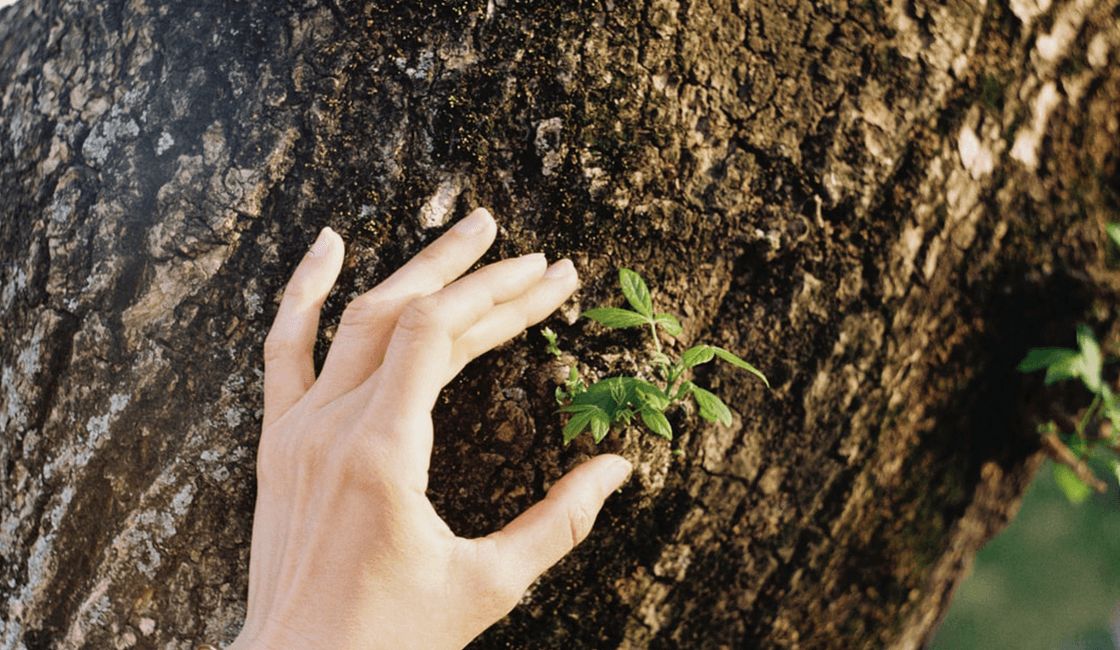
{"x": 1113, "y": 230}
{"x": 636, "y": 292}
{"x": 615, "y": 317}
{"x": 1068, "y": 367}
{"x": 1039, "y": 358}
{"x": 1091, "y": 358}
{"x": 1075, "y": 489}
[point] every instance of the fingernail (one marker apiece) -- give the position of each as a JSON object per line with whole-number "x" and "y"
{"x": 618, "y": 472}
{"x": 560, "y": 269}
{"x": 474, "y": 223}
{"x": 322, "y": 244}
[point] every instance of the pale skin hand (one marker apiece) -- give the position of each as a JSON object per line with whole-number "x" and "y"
{"x": 347, "y": 551}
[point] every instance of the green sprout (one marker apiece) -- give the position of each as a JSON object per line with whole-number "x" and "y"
{"x": 616, "y": 401}
{"x": 1086, "y": 364}
{"x": 1098, "y": 426}
{"x": 550, "y": 336}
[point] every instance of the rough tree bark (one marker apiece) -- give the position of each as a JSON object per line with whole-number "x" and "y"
{"x": 882, "y": 205}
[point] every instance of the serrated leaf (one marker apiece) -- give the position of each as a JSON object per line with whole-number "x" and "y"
{"x": 616, "y": 317}
{"x": 1075, "y": 489}
{"x": 574, "y": 408}
{"x": 600, "y": 425}
{"x": 636, "y": 292}
{"x": 657, "y": 422}
{"x": 712, "y": 408}
{"x": 1039, "y": 358}
{"x": 1113, "y": 230}
{"x": 736, "y": 361}
{"x": 647, "y": 393}
{"x": 601, "y": 394}
{"x": 669, "y": 323}
{"x": 697, "y": 355}
{"x": 1091, "y": 358}
{"x": 577, "y": 423}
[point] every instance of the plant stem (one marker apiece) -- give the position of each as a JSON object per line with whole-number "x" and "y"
{"x": 653, "y": 331}
{"x": 1088, "y": 415}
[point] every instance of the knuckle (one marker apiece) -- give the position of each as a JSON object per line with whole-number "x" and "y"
{"x": 286, "y": 455}
{"x": 296, "y": 291}
{"x": 277, "y": 344}
{"x": 420, "y": 314}
{"x": 581, "y": 517}
{"x": 363, "y": 311}
{"x": 431, "y": 256}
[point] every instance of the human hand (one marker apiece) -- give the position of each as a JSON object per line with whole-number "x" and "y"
{"x": 347, "y": 551}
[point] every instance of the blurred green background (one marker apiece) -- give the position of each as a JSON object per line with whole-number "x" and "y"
{"x": 1050, "y": 581}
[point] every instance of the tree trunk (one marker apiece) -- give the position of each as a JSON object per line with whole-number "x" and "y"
{"x": 881, "y": 206}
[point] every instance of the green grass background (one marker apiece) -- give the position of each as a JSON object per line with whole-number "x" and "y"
{"x": 1050, "y": 581}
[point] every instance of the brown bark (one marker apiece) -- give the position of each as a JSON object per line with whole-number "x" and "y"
{"x": 882, "y": 206}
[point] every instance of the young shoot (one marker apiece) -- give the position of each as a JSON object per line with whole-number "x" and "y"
{"x": 616, "y": 401}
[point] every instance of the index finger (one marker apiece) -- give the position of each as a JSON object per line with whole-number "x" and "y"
{"x": 363, "y": 334}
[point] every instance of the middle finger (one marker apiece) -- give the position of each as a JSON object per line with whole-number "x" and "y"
{"x": 366, "y": 325}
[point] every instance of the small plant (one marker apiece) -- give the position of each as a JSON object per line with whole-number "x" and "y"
{"x": 615, "y": 401}
{"x": 1099, "y": 426}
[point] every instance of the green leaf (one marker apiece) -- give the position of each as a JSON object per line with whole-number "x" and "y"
{"x": 1110, "y": 410}
{"x": 712, "y": 408}
{"x": 657, "y": 422}
{"x": 600, "y": 425}
{"x": 1070, "y": 366}
{"x": 601, "y": 394}
{"x": 1039, "y": 358}
{"x": 669, "y": 323}
{"x": 1113, "y": 230}
{"x": 615, "y": 317}
{"x": 1091, "y": 358}
{"x": 1075, "y": 489}
{"x": 1077, "y": 444}
{"x": 697, "y": 355}
{"x": 736, "y": 361}
{"x": 550, "y": 336}
{"x": 581, "y": 417}
{"x": 648, "y": 393}
{"x": 636, "y": 292}
{"x": 1114, "y": 465}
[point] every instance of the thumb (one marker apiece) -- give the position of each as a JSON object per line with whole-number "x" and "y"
{"x": 549, "y": 530}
